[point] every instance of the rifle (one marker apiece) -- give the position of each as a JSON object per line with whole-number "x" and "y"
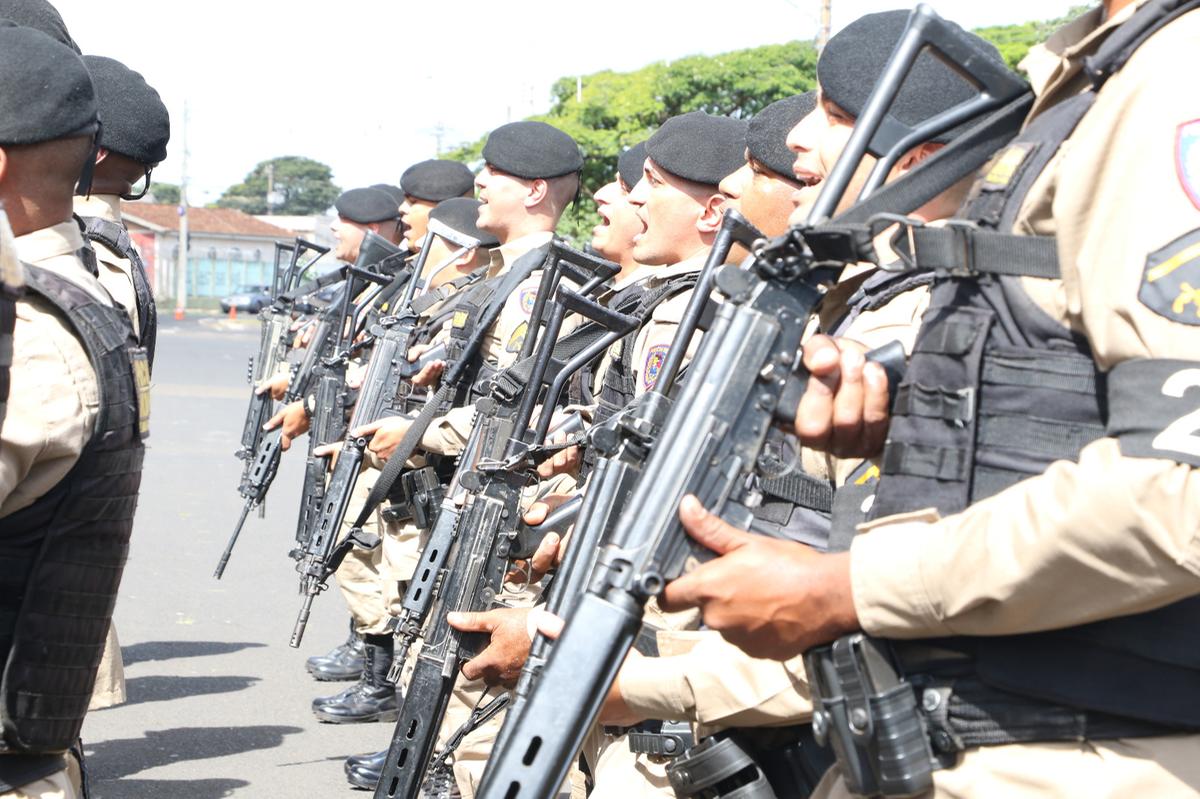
{"x": 744, "y": 377}
{"x": 486, "y": 535}
{"x": 273, "y": 346}
{"x": 392, "y": 337}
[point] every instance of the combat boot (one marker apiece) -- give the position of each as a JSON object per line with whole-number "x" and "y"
{"x": 363, "y": 771}
{"x": 343, "y": 662}
{"x": 372, "y": 698}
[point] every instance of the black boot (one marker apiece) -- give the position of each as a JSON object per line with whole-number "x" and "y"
{"x": 343, "y": 662}
{"x": 363, "y": 771}
{"x": 372, "y": 698}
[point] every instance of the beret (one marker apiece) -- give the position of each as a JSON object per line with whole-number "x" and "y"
{"x": 136, "y": 122}
{"x": 699, "y": 147}
{"x": 39, "y": 15}
{"x": 766, "y": 138}
{"x": 853, "y": 61}
{"x": 437, "y": 179}
{"x": 395, "y": 192}
{"x": 366, "y": 205}
{"x": 45, "y": 90}
{"x": 532, "y": 150}
{"x": 462, "y": 214}
{"x": 630, "y": 163}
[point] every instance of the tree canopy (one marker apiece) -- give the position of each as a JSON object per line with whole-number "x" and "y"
{"x": 298, "y": 186}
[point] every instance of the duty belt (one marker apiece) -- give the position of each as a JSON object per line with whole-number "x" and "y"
{"x": 666, "y": 739}
{"x": 890, "y": 733}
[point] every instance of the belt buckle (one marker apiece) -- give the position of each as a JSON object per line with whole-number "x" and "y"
{"x": 963, "y": 230}
{"x": 908, "y": 261}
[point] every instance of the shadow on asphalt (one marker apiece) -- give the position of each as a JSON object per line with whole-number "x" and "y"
{"x": 112, "y": 760}
{"x": 158, "y": 789}
{"x": 162, "y": 689}
{"x": 169, "y": 650}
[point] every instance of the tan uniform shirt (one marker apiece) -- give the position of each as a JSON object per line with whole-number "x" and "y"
{"x": 1108, "y": 535}
{"x": 654, "y": 338}
{"x": 116, "y": 272}
{"x": 54, "y": 398}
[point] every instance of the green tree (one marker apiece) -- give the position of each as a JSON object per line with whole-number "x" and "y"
{"x": 165, "y": 193}
{"x": 299, "y": 186}
{"x": 1014, "y": 41}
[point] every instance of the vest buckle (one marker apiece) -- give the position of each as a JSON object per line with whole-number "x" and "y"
{"x": 903, "y": 244}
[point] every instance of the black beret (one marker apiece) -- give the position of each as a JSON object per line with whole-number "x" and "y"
{"x": 854, "y": 59}
{"x": 367, "y": 205}
{"x": 462, "y": 214}
{"x": 39, "y": 15}
{"x": 532, "y": 150}
{"x": 436, "y": 180}
{"x": 630, "y": 163}
{"x": 766, "y": 138}
{"x": 395, "y": 192}
{"x": 45, "y": 90}
{"x": 699, "y": 147}
{"x": 136, "y": 122}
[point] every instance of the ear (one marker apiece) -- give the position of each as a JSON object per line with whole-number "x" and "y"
{"x": 915, "y": 156}
{"x": 709, "y": 220}
{"x": 539, "y": 190}
{"x": 3, "y": 164}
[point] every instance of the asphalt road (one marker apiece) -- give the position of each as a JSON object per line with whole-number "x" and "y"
{"x": 218, "y": 702}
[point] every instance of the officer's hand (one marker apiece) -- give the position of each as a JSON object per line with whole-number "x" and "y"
{"x": 844, "y": 410}
{"x": 294, "y": 420}
{"x": 277, "y": 385}
{"x": 565, "y": 461}
{"x": 547, "y": 557}
{"x": 500, "y": 663}
{"x": 355, "y": 373}
{"x": 386, "y": 433}
{"x": 304, "y": 335}
{"x": 772, "y": 598}
{"x": 417, "y": 350}
{"x": 429, "y": 375}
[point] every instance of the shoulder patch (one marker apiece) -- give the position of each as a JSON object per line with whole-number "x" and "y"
{"x": 528, "y": 298}
{"x": 1187, "y": 159}
{"x": 517, "y": 339}
{"x": 655, "y": 359}
{"x": 459, "y": 319}
{"x": 1004, "y": 166}
{"x": 1171, "y": 281}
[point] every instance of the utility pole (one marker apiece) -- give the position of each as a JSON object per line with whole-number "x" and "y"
{"x": 181, "y": 267}
{"x": 825, "y": 25}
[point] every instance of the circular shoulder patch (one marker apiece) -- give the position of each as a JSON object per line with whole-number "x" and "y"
{"x": 655, "y": 359}
{"x": 528, "y": 298}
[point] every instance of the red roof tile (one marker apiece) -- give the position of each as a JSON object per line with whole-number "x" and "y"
{"x": 227, "y": 221}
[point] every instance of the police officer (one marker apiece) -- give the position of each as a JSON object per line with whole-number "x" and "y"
{"x": 77, "y": 414}
{"x": 137, "y": 128}
{"x": 426, "y": 184}
{"x": 12, "y": 283}
{"x": 1070, "y": 563}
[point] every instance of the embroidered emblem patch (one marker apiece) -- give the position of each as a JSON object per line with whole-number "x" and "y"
{"x": 1171, "y": 283}
{"x": 1002, "y": 169}
{"x": 654, "y": 364}
{"x": 528, "y": 298}
{"x": 517, "y": 339}
{"x": 1187, "y": 159}
{"x": 460, "y": 319}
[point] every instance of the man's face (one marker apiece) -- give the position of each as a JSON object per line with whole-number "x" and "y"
{"x": 669, "y": 208}
{"x": 349, "y": 236}
{"x": 619, "y": 222}
{"x": 414, "y": 214}
{"x": 818, "y": 141}
{"x": 503, "y": 197}
{"x": 761, "y": 195}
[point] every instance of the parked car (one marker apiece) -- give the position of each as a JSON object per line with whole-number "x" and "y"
{"x": 247, "y": 298}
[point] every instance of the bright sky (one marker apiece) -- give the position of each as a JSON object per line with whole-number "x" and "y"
{"x": 365, "y": 85}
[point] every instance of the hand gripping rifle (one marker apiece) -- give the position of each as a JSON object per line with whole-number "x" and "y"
{"x": 319, "y": 556}
{"x": 487, "y": 536}
{"x": 274, "y": 343}
{"x": 744, "y": 377}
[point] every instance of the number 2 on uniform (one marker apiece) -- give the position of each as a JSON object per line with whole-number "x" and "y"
{"x": 1181, "y": 434}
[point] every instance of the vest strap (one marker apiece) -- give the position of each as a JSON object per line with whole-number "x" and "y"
{"x": 962, "y": 250}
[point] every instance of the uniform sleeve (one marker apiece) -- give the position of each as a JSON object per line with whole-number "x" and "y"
{"x": 1113, "y": 534}
{"x": 448, "y": 434}
{"x": 52, "y": 407}
{"x": 654, "y": 341}
{"x": 717, "y": 685}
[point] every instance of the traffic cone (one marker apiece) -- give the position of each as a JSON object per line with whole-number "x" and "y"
{"x": 233, "y": 312}
{"x": 178, "y": 313}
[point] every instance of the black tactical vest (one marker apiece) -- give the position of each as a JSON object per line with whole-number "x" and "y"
{"x": 995, "y": 392}
{"x": 116, "y": 238}
{"x": 10, "y": 292}
{"x": 61, "y": 558}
